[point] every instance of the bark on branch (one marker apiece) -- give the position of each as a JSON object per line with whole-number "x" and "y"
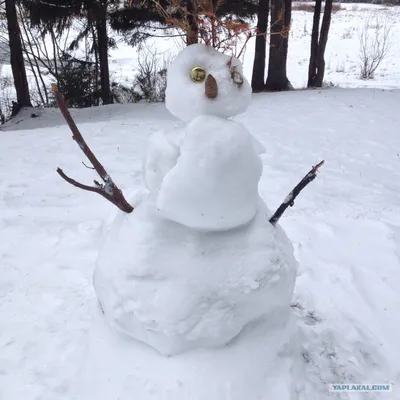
{"x": 289, "y": 201}
{"x": 109, "y": 190}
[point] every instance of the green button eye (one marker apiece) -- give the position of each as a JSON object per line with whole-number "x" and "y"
{"x": 198, "y": 74}
{"x": 237, "y": 78}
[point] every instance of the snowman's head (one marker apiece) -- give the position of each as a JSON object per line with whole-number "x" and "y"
{"x": 201, "y": 80}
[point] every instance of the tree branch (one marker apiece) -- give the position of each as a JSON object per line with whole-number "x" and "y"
{"x": 109, "y": 189}
{"x": 87, "y": 166}
{"x": 289, "y": 201}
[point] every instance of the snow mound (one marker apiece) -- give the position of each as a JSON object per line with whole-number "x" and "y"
{"x": 177, "y": 289}
{"x": 214, "y": 184}
{"x": 186, "y": 99}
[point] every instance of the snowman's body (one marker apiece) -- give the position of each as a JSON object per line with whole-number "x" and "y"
{"x": 198, "y": 260}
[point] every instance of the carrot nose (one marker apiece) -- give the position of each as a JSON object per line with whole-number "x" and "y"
{"x": 211, "y": 87}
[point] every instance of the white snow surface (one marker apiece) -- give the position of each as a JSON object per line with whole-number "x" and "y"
{"x": 163, "y": 150}
{"x": 214, "y": 184}
{"x": 344, "y": 228}
{"x": 233, "y": 372}
{"x": 186, "y": 100}
{"x": 164, "y": 276}
{"x": 177, "y": 289}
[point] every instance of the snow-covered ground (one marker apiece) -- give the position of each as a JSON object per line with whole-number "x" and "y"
{"x": 344, "y": 227}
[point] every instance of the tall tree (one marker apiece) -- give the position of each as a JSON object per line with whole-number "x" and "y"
{"x": 281, "y": 11}
{"x": 192, "y": 35}
{"x": 16, "y": 57}
{"x": 257, "y": 81}
{"x": 319, "y": 39}
{"x": 99, "y": 10}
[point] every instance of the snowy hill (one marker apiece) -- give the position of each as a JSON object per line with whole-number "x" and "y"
{"x": 344, "y": 227}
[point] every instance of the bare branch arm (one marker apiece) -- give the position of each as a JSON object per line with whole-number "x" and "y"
{"x": 109, "y": 190}
{"x": 289, "y": 201}
{"x": 79, "y": 185}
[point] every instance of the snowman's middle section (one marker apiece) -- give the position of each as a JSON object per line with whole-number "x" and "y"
{"x": 198, "y": 259}
{"x": 214, "y": 184}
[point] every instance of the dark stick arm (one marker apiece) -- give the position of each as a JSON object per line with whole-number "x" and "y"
{"x": 289, "y": 201}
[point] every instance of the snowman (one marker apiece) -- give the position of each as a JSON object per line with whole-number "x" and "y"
{"x": 197, "y": 260}
{"x": 194, "y": 285}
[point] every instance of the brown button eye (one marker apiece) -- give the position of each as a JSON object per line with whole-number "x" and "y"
{"x": 237, "y": 78}
{"x": 198, "y": 74}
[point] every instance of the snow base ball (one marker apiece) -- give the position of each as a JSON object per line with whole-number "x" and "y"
{"x": 198, "y": 260}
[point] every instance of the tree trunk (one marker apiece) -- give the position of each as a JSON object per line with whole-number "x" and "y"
{"x": 318, "y": 77}
{"x": 192, "y": 35}
{"x": 17, "y": 58}
{"x": 281, "y": 11}
{"x": 102, "y": 38}
{"x": 257, "y": 81}
{"x": 323, "y": 40}
{"x": 312, "y": 68}
{"x": 96, "y": 61}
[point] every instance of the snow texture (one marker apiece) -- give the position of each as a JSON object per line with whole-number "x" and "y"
{"x": 164, "y": 148}
{"x": 186, "y": 100}
{"x": 161, "y": 156}
{"x": 214, "y": 184}
{"x": 345, "y": 229}
{"x": 117, "y": 368}
{"x": 177, "y": 289}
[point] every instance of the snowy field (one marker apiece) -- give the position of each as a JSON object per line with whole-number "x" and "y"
{"x": 344, "y": 226}
{"x": 341, "y": 56}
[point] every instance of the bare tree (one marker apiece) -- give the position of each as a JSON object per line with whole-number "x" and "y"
{"x": 152, "y": 75}
{"x": 32, "y": 59}
{"x": 316, "y": 68}
{"x": 374, "y": 44}
{"x": 204, "y": 21}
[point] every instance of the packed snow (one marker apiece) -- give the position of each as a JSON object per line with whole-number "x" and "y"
{"x": 214, "y": 184}
{"x": 176, "y": 288}
{"x": 198, "y": 261}
{"x": 186, "y": 100}
{"x": 234, "y": 372}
